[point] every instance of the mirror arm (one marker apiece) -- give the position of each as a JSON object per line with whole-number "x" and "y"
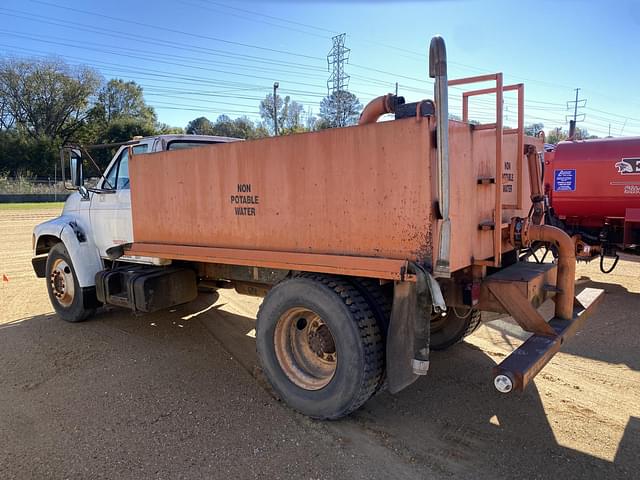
{"x": 98, "y": 169}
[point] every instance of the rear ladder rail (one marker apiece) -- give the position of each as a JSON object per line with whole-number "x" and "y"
{"x": 498, "y": 90}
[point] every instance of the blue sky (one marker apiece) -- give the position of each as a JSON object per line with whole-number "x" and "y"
{"x": 200, "y": 57}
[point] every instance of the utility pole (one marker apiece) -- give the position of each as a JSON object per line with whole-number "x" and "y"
{"x": 275, "y": 108}
{"x": 338, "y": 80}
{"x": 396, "y": 89}
{"x": 577, "y": 103}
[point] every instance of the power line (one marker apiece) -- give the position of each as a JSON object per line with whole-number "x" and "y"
{"x": 251, "y": 58}
{"x": 172, "y": 30}
{"x": 207, "y": 7}
{"x": 110, "y": 33}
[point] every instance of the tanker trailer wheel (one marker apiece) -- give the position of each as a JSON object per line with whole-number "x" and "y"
{"x": 451, "y": 328}
{"x": 65, "y": 293}
{"x": 320, "y": 345}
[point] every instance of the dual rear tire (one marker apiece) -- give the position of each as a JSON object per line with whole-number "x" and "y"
{"x": 321, "y": 341}
{"x": 320, "y": 345}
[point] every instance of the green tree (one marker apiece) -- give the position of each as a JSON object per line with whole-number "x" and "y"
{"x": 339, "y": 109}
{"x": 23, "y": 155}
{"x": 583, "y": 134}
{"x": 199, "y": 126}
{"x": 224, "y": 126}
{"x": 165, "y": 129}
{"x": 556, "y": 135}
{"x": 120, "y": 99}
{"x": 124, "y": 129}
{"x": 533, "y": 129}
{"x": 288, "y": 112}
{"x": 45, "y": 98}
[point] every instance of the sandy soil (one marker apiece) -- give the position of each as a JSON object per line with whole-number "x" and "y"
{"x": 179, "y": 395}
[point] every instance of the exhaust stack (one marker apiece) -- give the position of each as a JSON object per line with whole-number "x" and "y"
{"x": 438, "y": 71}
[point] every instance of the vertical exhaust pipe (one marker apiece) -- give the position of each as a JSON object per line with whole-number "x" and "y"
{"x": 438, "y": 71}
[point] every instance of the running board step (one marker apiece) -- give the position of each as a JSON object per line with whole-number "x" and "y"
{"x": 534, "y": 282}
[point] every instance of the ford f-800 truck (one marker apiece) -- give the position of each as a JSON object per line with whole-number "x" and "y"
{"x": 372, "y": 244}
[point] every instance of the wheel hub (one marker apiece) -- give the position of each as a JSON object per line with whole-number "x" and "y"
{"x": 305, "y": 348}
{"x": 321, "y": 342}
{"x": 62, "y": 284}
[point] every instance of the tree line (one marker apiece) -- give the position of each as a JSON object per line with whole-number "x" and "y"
{"x": 47, "y": 103}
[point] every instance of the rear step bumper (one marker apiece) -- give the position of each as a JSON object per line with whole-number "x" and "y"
{"x": 524, "y": 363}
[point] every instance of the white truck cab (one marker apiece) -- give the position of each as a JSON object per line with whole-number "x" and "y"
{"x": 71, "y": 249}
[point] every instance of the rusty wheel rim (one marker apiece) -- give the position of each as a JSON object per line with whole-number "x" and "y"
{"x": 62, "y": 284}
{"x": 305, "y": 348}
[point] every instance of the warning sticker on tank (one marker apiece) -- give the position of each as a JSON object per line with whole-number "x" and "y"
{"x": 564, "y": 181}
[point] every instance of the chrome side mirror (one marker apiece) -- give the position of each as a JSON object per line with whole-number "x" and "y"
{"x": 75, "y": 164}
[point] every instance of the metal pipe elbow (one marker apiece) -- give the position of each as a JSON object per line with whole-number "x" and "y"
{"x": 548, "y": 233}
{"x": 378, "y": 107}
{"x": 566, "y": 265}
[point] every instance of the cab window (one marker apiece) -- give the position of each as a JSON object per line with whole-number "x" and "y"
{"x": 118, "y": 176}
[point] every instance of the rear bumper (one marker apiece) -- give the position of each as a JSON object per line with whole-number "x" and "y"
{"x": 524, "y": 363}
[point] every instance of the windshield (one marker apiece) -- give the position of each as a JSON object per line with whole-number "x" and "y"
{"x": 184, "y": 144}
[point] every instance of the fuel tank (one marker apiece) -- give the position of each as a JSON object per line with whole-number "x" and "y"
{"x": 590, "y": 180}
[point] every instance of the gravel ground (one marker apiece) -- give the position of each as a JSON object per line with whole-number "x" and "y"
{"x": 179, "y": 395}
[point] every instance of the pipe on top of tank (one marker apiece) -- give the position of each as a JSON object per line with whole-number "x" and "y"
{"x": 378, "y": 107}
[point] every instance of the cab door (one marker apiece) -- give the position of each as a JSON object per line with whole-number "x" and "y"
{"x": 110, "y": 210}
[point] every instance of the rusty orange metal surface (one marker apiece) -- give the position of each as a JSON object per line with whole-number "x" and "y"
{"x": 382, "y": 268}
{"x": 359, "y": 191}
{"x": 356, "y": 200}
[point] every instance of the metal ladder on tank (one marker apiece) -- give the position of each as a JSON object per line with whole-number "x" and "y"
{"x": 495, "y": 224}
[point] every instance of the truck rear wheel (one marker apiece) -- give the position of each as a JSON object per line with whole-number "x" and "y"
{"x": 320, "y": 345}
{"x": 380, "y": 300}
{"x": 450, "y": 329}
{"x": 65, "y": 293}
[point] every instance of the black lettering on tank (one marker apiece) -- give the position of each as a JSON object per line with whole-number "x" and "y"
{"x": 243, "y": 196}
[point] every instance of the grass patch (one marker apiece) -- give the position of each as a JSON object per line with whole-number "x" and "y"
{"x": 31, "y": 206}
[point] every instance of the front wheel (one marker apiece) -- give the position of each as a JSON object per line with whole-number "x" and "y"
{"x": 65, "y": 293}
{"x": 320, "y": 345}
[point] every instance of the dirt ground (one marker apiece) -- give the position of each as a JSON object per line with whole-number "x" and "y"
{"x": 179, "y": 395}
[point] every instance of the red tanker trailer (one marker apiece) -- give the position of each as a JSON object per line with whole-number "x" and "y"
{"x": 593, "y": 193}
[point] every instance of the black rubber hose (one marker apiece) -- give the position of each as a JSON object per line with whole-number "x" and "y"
{"x": 615, "y": 262}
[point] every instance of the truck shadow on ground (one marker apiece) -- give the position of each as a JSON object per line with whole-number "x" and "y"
{"x": 453, "y": 418}
{"x": 451, "y": 421}
{"x": 611, "y": 334}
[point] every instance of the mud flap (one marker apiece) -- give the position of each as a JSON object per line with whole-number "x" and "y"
{"x": 409, "y": 329}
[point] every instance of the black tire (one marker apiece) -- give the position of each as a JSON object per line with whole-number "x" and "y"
{"x": 380, "y": 300}
{"x": 60, "y": 272}
{"x": 357, "y": 341}
{"x": 451, "y": 329}
{"x": 379, "y": 297}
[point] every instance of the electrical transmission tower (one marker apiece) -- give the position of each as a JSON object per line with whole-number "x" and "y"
{"x": 575, "y": 104}
{"x": 337, "y": 57}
